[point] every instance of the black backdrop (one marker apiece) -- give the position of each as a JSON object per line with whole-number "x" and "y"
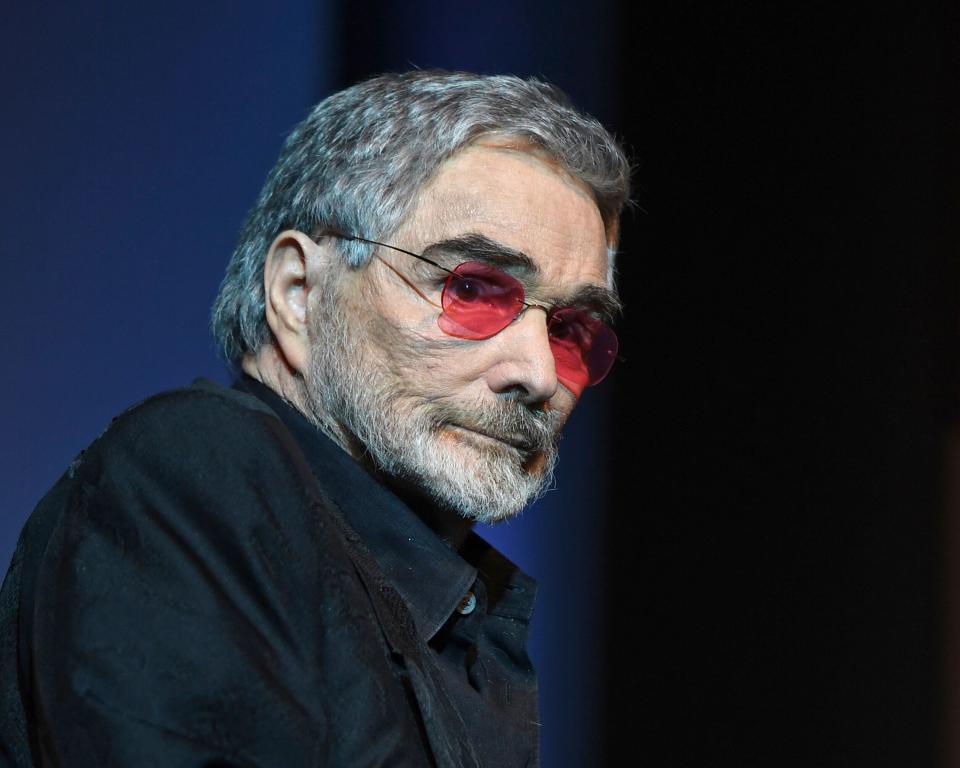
{"x": 792, "y": 342}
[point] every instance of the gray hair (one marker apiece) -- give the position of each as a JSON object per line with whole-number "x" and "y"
{"x": 358, "y": 160}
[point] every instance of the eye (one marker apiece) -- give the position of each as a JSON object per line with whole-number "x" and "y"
{"x": 469, "y": 289}
{"x": 564, "y": 327}
{"x": 559, "y": 328}
{"x": 572, "y": 326}
{"x": 476, "y": 285}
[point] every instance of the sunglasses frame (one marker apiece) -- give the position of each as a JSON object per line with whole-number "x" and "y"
{"x": 547, "y": 308}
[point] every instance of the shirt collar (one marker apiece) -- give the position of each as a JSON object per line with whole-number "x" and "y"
{"x": 430, "y": 576}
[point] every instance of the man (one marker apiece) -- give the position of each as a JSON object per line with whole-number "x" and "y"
{"x": 283, "y": 573}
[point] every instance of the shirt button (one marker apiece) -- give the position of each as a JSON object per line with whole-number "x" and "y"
{"x": 467, "y": 605}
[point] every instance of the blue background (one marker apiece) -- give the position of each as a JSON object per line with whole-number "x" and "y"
{"x": 136, "y": 137}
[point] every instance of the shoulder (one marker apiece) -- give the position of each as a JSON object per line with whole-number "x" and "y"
{"x": 188, "y": 480}
{"x": 203, "y": 468}
{"x": 192, "y": 570}
{"x": 204, "y": 413}
{"x": 201, "y": 434}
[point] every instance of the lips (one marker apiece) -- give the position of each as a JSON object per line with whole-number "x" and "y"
{"x": 519, "y": 442}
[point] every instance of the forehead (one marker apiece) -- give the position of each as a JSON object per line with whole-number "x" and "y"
{"x": 519, "y": 199}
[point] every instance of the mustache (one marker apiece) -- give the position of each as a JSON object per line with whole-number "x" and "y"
{"x": 509, "y": 421}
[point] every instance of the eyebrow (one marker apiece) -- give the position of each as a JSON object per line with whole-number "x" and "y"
{"x": 477, "y": 247}
{"x": 596, "y": 298}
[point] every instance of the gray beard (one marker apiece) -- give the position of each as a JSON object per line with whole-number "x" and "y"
{"x": 358, "y": 394}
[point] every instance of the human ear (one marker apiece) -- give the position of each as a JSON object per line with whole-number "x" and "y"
{"x": 286, "y": 287}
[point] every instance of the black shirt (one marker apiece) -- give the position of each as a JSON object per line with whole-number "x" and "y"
{"x": 472, "y": 606}
{"x": 190, "y": 592}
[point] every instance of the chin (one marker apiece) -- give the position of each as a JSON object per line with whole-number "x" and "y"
{"x": 483, "y": 479}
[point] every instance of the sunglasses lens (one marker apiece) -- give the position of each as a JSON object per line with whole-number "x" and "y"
{"x": 584, "y": 348}
{"x": 479, "y": 300}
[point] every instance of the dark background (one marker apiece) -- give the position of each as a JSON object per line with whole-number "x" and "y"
{"x": 793, "y": 297}
{"x": 744, "y": 563}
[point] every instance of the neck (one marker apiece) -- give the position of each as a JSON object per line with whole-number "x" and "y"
{"x": 270, "y": 369}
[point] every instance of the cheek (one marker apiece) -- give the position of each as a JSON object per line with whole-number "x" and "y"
{"x": 435, "y": 366}
{"x": 452, "y": 366}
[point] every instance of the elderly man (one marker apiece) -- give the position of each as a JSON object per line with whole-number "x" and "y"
{"x": 283, "y": 573}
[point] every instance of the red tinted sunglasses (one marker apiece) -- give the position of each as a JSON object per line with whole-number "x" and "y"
{"x": 479, "y": 300}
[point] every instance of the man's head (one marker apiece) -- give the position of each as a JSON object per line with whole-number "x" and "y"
{"x": 455, "y": 167}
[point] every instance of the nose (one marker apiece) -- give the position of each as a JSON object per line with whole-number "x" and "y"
{"x": 525, "y": 363}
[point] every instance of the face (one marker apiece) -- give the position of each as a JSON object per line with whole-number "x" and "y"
{"x": 474, "y": 423}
